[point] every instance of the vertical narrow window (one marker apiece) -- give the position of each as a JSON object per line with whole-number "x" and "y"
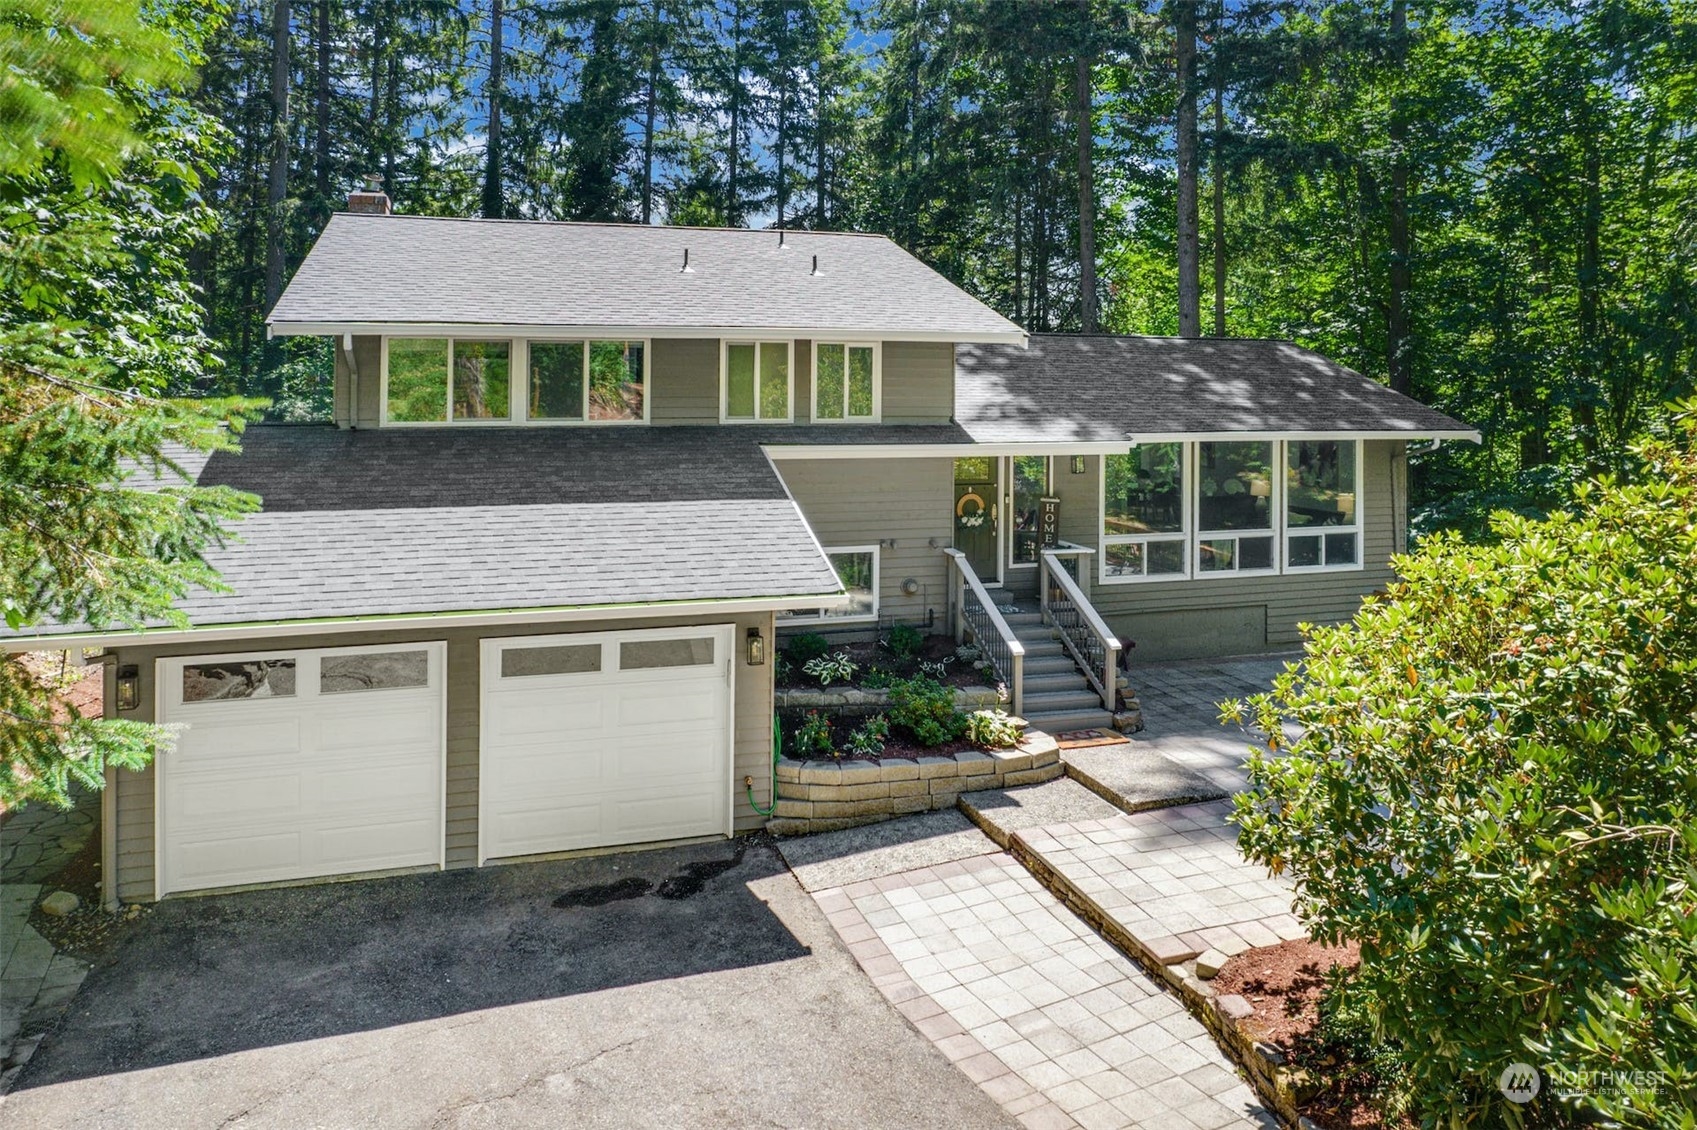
{"x": 417, "y": 380}
{"x": 845, "y": 381}
{"x": 482, "y": 380}
{"x": 1144, "y": 532}
{"x": 1234, "y": 507}
{"x": 1322, "y": 517}
{"x": 617, "y": 381}
{"x": 757, "y": 380}
{"x": 556, "y": 381}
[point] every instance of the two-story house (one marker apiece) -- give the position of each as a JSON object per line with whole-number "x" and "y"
{"x": 522, "y": 596}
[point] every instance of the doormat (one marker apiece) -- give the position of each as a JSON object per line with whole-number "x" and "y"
{"x": 1081, "y": 739}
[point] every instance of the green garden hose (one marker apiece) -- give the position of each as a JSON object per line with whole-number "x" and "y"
{"x": 748, "y": 782}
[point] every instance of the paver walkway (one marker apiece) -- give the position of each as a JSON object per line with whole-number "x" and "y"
{"x": 1033, "y": 1005}
{"x": 1172, "y": 879}
{"x": 1181, "y": 718}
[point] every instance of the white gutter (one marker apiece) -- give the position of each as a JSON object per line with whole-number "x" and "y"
{"x": 914, "y": 450}
{"x": 1218, "y": 437}
{"x": 270, "y": 629}
{"x": 1013, "y": 335}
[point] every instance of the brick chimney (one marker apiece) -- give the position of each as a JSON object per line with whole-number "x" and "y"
{"x": 371, "y": 200}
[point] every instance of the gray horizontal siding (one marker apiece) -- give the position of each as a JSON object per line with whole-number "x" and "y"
{"x": 918, "y": 382}
{"x": 751, "y": 751}
{"x": 683, "y": 377}
{"x": 866, "y": 501}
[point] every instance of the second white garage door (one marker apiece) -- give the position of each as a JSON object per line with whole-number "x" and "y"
{"x": 593, "y": 740}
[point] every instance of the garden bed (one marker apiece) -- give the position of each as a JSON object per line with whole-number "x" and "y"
{"x": 1285, "y": 986}
{"x": 876, "y": 663}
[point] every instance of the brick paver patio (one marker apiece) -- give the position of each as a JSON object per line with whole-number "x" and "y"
{"x": 1172, "y": 878}
{"x": 1181, "y": 713}
{"x": 1051, "y": 1020}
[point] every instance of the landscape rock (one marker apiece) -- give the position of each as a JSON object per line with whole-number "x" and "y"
{"x": 1208, "y": 966}
{"x": 60, "y": 903}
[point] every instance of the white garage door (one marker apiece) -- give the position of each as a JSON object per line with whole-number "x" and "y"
{"x": 297, "y": 764}
{"x": 608, "y": 738}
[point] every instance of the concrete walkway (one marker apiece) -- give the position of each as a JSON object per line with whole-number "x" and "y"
{"x": 1031, "y": 1004}
{"x": 1181, "y": 715}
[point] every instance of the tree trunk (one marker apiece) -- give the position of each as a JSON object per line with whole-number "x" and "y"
{"x": 1189, "y": 250}
{"x": 321, "y": 106}
{"x": 493, "y": 196}
{"x": 821, "y": 96}
{"x": 733, "y": 203}
{"x": 374, "y": 105}
{"x": 1086, "y": 188}
{"x": 1219, "y": 185}
{"x": 649, "y": 112}
{"x": 1399, "y": 345}
{"x": 278, "y": 189}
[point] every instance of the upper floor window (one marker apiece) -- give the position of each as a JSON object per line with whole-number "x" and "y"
{"x": 845, "y": 382}
{"x": 757, "y": 381}
{"x": 1322, "y": 517}
{"x": 455, "y": 380}
{"x": 1145, "y": 531}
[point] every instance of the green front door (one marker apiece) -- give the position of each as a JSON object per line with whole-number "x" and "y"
{"x": 975, "y": 514}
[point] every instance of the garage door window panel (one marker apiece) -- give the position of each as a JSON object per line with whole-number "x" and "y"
{"x": 233, "y": 680}
{"x": 373, "y": 671}
{"x": 560, "y": 659}
{"x": 643, "y": 655}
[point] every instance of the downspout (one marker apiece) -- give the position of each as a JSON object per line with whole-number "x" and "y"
{"x": 109, "y": 792}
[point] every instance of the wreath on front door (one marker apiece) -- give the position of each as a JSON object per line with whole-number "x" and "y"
{"x": 971, "y": 519}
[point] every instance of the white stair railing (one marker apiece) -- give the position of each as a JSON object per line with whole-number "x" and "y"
{"x": 977, "y": 614}
{"x": 1083, "y": 632}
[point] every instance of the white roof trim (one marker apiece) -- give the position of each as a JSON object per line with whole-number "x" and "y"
{"x": 896, "y": 450}
{"x": 271, "y": 629}
{"x": 1468, "y": 434}
{"x": 1011, "y": 336}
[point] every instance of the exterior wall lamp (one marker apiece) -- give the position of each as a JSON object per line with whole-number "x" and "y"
{"x": 129, "y": 687}
{"x": 1078, "y": 464}
{"x": 756, "y": 648}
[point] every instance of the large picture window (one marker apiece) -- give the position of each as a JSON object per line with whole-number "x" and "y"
{"x": 462, "y": 380}
{"x": 1234, "y": 507}
{"x": 1144, "y": 528}
{"x": 857, "y": 569}
{"x": 756, "y": 383}
{"x": 1322, "y": 516}
{"x": 845, "y": 382}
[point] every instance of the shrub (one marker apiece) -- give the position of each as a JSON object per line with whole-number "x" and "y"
{"x": 868, "y": 739}
{"x": 905, "y": 641}
{"x": 877, "y": 678}
{"x": 994, "y": 729}
{"x": 805, "y": 648}
{"x": 828, "y": 669}
{"x": 814, "y": 735}
{"x": 926, "y": 709}
{"x": 1494, "y": 791}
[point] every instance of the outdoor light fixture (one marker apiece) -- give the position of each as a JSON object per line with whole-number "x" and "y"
{"x": 129, "y": 687}
{"x": 1078, "y": 464}
{"x": 756, "y": 648}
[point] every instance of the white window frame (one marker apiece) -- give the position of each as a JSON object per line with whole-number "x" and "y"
{"x": 1358, "y": 527}
{"x": 521, "y": 389}
{"x": 1275, "y": 514}
{"x": 1185, "y": 536}
{"x": 724, "y": 381}
{"x": 518, "y": 384}
{"x": 820, "y": 616}
{"x": 1281, "y": 530}
{"x": 877, "y": 416}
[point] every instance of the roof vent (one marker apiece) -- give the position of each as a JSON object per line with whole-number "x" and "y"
{"x": 371, "y": 200}
{"x": 816, "y": 271}
{"x": 782, "y": 246}
{"x": 687, "y": 269}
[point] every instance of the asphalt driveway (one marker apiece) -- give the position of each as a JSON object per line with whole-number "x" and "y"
{"x": 696, "y": 986}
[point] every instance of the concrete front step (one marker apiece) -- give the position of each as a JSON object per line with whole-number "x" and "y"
{"x": 1051, "y": 701}
{"x": 1044, "y": 682}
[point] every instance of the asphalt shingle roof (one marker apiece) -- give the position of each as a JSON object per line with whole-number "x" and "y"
{"x": 371, "y": 269}
{"x": 376, "y": 523}
{"x": 1088, "y": 387}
